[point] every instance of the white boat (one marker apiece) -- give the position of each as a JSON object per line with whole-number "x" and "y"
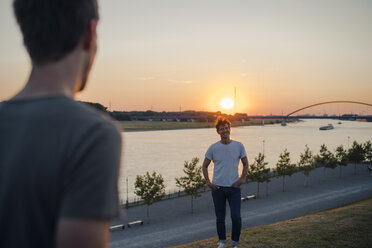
{"x": 328, "y": 127}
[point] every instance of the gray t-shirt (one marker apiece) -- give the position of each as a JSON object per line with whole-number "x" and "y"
{"x": 226, "y": 162}
{"x": 58, "y": 158}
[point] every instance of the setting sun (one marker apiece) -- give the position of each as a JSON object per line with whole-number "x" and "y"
{"x": 227, "y": 103}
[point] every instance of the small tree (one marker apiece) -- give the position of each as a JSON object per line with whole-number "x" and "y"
{"x": 341, "y": 157}
{"x": 150, "y": 188}
{"x": 284, "y": 166}
{"x": 258, "y": 171}
{"x": 356, "y": 154}
{"x": 326, "y": 159}
{"x": 193, "y": 181}
{"x": 306, "y": 163}
{"x": 368, "y": 152}
{"x": 266, "y": 178}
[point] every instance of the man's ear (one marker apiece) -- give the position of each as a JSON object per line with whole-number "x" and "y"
{"x": 90, "y": 35}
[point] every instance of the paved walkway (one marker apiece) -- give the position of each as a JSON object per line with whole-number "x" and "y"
{"x": 171, "y": 222}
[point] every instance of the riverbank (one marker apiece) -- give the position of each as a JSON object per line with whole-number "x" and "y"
{"x": 346, "y": 226}
{"x": 171, "y": 222}
{"x": 131, "y": 126}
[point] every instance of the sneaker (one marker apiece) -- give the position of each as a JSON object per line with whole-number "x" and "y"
{"x": 234, "y": 244}
{"x": 221, "y": 245}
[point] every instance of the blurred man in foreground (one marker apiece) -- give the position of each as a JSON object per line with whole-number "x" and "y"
{"x": 226, "y": 182}
{"x": 59, "y": 160}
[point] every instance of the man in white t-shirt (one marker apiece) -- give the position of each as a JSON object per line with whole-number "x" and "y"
{"x": 226, "y": 182}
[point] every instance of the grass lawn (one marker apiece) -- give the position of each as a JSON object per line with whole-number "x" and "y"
{"x": 169, "y": 125}
{"x": 346, "y": 226}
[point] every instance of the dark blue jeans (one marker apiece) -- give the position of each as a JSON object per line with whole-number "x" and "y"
{"x": 233, "y": 196}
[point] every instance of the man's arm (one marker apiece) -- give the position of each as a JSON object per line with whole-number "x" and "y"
{"x": 206, "y": 176}
{"x": 81, "y": 233}
{"x": 241, "y": 180}
{"x": 90, "y": 191}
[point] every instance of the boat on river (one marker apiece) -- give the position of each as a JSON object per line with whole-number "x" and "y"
{"x": 328, "y": 127}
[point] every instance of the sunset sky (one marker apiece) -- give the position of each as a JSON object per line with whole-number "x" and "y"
{"x": 191, "y": 54}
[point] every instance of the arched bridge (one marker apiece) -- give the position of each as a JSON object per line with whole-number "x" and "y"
{"x": 322, "y": 103}
{"x": 342, "y": 117}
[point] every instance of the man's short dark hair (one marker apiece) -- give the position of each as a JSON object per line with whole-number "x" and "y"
{"x": 52, "y": 28}
{"x": 221, "y": 121}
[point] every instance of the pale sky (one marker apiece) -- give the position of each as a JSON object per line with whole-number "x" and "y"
{"x": 190, "y": 54}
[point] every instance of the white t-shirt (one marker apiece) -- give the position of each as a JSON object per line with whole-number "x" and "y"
{"x": 226, "y": 161}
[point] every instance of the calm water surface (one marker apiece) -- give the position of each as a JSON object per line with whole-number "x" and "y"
{"x": 166, "y": 151}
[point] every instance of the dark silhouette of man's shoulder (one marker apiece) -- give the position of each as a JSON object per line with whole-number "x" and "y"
{"x": 54, "y": 111}
{"x": 61, "y": 158}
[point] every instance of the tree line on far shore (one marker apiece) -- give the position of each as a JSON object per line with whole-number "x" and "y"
{"x": 151, "y": 188}
{"x": 201, "y": 116}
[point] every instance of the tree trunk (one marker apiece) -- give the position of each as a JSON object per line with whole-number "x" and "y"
{"x": 192, "y": 204}
{"x": 258, "y": 189}
{"x": 324, "y": 170}
{"x": 306, "y": 179}
{"x": 148, "y": 214}
{"x": 283, "y": 182}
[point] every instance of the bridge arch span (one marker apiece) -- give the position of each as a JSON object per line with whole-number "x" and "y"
{"x": 322, "y": 103}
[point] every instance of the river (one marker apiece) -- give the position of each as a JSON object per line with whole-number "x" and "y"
{"x": 166, "y": 151}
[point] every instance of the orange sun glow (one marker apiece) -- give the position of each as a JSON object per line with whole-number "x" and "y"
{"x": 227, "y": 103}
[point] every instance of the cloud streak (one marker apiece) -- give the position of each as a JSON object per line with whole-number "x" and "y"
{"x": 180, "y": 81}
{"x": 145, "y": 78}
